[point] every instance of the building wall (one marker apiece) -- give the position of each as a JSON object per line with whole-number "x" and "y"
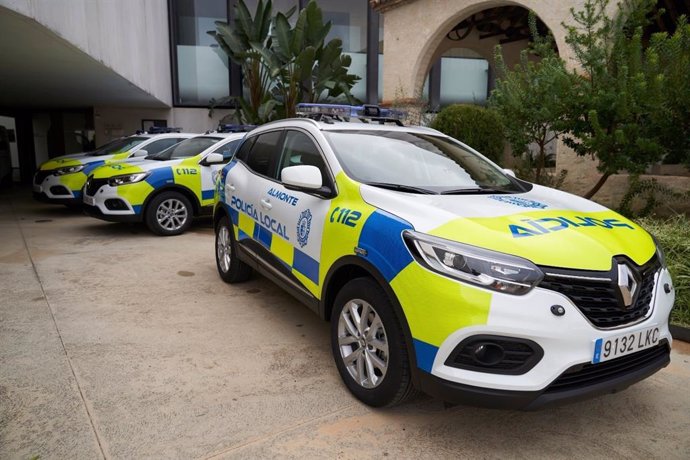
{"x": 128, "y": 36}
{"x": 113, "y": 122}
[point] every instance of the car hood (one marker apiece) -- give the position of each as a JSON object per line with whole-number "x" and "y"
{"x": 136, "y": 165}
{"x": 547, "y": 226}
{"x": 81, "y": 159}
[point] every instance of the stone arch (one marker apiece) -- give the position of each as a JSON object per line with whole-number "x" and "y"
{"x": 412, "y": 59}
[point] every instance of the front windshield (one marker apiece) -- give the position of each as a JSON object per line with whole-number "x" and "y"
{"x": 120, "y": 145}
{"x": 427, "y": 162}
{"x": 185, "y": 149}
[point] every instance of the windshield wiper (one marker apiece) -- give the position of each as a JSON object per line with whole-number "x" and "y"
{"x": 402, "y": 188}
{"x": 473, "y": 191}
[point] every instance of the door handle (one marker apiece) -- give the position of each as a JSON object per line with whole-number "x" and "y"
{"x": 266, "y": 204}
{"x": 230, "y": 187}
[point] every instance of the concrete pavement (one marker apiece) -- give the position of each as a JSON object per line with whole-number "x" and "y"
{"x": 115, "y": 343}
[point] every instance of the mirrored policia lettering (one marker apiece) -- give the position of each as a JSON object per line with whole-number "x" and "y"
{"x": 536, "y": 227}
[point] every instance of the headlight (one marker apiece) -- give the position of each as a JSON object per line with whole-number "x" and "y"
{"x": 492, "y": 270}
{"x": 127, "y": 179}
{"x": 68, "y": 170}
{"x": 659, "y": 252}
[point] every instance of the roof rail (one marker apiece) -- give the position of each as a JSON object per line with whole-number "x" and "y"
{"x": 159, "y": 130}
{"x": 341, "y": 112}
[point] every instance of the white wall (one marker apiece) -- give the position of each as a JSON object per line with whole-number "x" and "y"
{"x": 111, "y": 122}
{"x": 129, "y": 36}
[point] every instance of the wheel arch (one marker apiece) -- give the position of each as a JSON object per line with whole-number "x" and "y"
{"x": 349, "y": 268}
{"x": 187, "y": 193}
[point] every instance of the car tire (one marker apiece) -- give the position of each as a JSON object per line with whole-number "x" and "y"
{"x": 370, "y": 353}
{"x": 168, "y": 214}
{"x": 230, "y": 268}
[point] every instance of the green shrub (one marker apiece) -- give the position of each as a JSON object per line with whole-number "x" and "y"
{"x": 476, "y": 126}
{"x": 674, "y": 236}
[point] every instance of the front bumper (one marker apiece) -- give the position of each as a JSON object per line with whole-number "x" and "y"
{"x": 104, "y": 202}
{"x": 612, "y": 377}
{"x": 568, "y": 342}
{"x": 52, "y": 190}
{"x": 95, "y": 211}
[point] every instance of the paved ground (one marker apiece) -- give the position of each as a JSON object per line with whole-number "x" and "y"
{"x": 116, "y": 343}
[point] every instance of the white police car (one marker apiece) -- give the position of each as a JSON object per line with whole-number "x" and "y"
{"x": 439, "y": 270}
{"x": 61, "y": 180}
{"x": 165, "y": 190}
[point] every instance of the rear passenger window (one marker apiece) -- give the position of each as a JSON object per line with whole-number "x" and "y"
{"x": 264, "y": 153}
{"x": 158, "y": 146}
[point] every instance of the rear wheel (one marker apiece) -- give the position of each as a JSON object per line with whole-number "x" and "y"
{"x": 169, "y": 213}
{"x": 230, "y": 268}
{"x": 368, "y": 345}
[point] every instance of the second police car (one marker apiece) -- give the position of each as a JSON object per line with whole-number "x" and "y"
{"x": 439, "y": 270}
{"x": 61, "y": 180}
{"x": 165, "y": 190}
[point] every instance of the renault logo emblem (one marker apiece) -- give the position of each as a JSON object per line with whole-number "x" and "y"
{"x": 627, "y": 284}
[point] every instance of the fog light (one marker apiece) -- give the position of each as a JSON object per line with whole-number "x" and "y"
{"x": 488, "y": 354}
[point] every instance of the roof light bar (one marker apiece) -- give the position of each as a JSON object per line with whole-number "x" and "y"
{"x": 159, "y": 130}
{"x": 227, "y": 128}
{"x": 348, "y": 111}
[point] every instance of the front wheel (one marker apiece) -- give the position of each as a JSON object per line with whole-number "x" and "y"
{"x": 230, "y": 268}
{"x": 170, "y": 213}
{"x": 368, "y": 345}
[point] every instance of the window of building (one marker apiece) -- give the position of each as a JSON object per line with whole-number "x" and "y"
{"x": 201, "y": 70}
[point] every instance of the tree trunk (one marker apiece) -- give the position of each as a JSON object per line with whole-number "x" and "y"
{"x": 597, "y": 186}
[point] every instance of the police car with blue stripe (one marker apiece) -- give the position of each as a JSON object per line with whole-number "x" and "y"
{"x": 437, "y": 269}
{"x": 166, "y": 190}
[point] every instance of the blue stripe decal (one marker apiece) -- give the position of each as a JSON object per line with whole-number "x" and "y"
{"x": 137, "y": 208}
{"x": 160, "y": 176}
{"x": 426, "y": 354}
{"x": 91, "y": 166}
{"x": 241, "y": 235}
{"x": 306, "y": 266}
{"x": 207, "y": 194}
{"x": 382, "y": 238}
{"x": 234, "y": 215}
{"x": 597, "y": 351}
{"x": 263, "y": 235}
{"x": 77, "y": 194}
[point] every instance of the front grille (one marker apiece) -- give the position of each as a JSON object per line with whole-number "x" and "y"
{"x": 597, "y": 296}
{"x": 92, "y": 185}
{"x": 40, "y": 176}
{"x": 591, "y": 374}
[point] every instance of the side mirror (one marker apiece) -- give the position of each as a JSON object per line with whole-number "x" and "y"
{"x": 213, "y": 159}
{"x": 302, "y": 176}
{"x": 509, "y": 172}
{"x": 140, "y": 153}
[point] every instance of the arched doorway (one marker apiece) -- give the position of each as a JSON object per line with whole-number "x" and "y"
{"x": 463, "y": 70}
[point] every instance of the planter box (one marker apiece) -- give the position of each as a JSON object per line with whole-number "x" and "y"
{"x": 680, "y": 332}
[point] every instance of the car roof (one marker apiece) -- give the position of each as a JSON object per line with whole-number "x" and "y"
{"x": 355, "y": 125}
{"x": 163, "y": 135}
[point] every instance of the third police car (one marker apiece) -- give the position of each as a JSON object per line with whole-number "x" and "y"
{"x": 439, "y": 270}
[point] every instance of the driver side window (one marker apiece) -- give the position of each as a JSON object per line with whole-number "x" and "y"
{"x": 299, "y": 149}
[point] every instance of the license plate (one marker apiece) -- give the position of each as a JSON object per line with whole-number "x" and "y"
{"x": 624, "y": 344}
{"x": 37, "y": 188}
{"x": 89, "y": 200}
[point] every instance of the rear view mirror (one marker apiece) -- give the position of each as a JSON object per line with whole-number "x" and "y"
{"x": 141, "y": 153}
{"x": 302, "y": 176}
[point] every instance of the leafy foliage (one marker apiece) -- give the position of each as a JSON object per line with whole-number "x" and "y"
{"x": 619, "y": 89}
{"x": 652, "y": 194}
{"x": 531, "y": 99}
{"x": 672, "y": 234}
{"x": 673, "y": 123}
{"x": 477, "y": 127}
{"x": 283, "y": 64}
